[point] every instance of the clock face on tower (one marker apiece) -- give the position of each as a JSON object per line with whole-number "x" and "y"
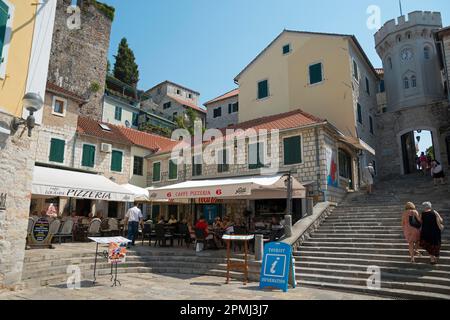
{"x": 406, "y": 54}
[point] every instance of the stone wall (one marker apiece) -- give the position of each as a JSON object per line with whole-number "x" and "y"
{"x": 392, "y": 125}
{"x": 16, "y": 167}
{"x": 226, "y": 119}
{"x": 79, "y": 57}
{"x": 312, "y": 170}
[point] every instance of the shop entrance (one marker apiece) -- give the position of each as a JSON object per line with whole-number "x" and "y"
{"x": 414, "y": 144}
{"x": 83, "y": 207}
{"x": 113, "y": 209}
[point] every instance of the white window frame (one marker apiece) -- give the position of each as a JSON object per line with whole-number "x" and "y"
{"x": 123, "y": 162}
{"x": 168, "y": 171}
{"x": 64, "y": 108}
{"x": 309, "y": 74}
{"x": 50, "y": 148}
{"x": 5, "y": 52}
{"x": 95, "y": 157}
{"x": 160, "y": 171}
{"x": 257, "y": 90}
{"x": 301, "y": 150}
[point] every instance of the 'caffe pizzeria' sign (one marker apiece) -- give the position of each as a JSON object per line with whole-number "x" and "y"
{"x": 202, "y": 193}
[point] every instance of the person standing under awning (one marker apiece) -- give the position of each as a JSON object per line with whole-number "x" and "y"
{"x": 133, "y": 218}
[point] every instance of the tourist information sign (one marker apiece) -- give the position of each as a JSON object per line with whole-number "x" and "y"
{"x": 277, "y": 268}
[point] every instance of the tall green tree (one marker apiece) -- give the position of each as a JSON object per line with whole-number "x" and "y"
{"x": 125, "y": 67}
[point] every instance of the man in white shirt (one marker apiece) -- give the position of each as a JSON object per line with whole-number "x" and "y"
{"x": 133, "y": 218}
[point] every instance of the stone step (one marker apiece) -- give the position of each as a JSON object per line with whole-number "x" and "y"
{"x": 362, "y": 245}
{"x": 364, "y": 275}
{"x": 338, "y": 238}
{"x": 416, "y": 270}
{"x": 357, "y": 236}
{"x": 407, "y": 286}
{"x": 405, "y": 263}
{"x": 359, "y": 231}
{"x": 390, "y": 251}
{"x": 395, "y": 293}
{"x": 444, "y": 260}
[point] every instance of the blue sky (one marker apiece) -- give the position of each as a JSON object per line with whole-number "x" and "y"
{"x": 204, "y": 44}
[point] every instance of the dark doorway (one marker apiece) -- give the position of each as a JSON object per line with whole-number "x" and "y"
{"x": 409, "y": 153}
{"x": 447, "y": 143}
{"x": 345, "y": 167}
{"x": 113, "y": 209}
{"x": 83, "y": 207}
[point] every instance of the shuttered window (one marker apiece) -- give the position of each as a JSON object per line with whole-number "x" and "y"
{"x": 138, "y": 166}
{"x": 292, "y": 150}
{"x": 88, "y": 159}
{"x": 116, "y": 161}
{"x": 315, "y": 73}
{"x": 135, "y": 120}
{"x": 263, "y": 89}
{"x": 156, "y": 171}
{"x": 173, "y": 170}
{"x": 118, "y": 114}
{"x": 4, "y": 16}
{"x": 255, "y": 156}
{"x": 223, "y": 162}
{"x": 57, "y": 147}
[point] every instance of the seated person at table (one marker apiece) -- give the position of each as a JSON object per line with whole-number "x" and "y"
{"x": 172, "y": 220}
{"x": 276, "y": 224}
{"x": 259, "y": 224}
{"x": 203, "y": 225}
{"x": 228, "y": 225}
{"x": 161, "y": 220}
{"x": 218, "y": 225}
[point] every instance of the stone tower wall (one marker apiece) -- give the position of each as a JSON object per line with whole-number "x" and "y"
{"x": 79, "y": 57}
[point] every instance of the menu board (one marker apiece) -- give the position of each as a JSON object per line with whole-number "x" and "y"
{"x": 41, "y": 230}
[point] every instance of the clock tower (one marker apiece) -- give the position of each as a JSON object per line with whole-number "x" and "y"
{"x": 414, "y": 100}
{"x": 410, "y": 60}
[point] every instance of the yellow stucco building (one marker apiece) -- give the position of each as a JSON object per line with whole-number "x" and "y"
{"x": 327, "y": 75}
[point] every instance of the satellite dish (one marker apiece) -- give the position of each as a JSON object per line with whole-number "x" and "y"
{"x": 127, "y": 124}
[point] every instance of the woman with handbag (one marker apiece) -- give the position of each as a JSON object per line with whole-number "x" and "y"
{"x": 432, "y": 227}
{"x": 411, "y": 224}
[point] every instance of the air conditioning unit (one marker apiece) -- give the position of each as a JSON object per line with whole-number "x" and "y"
{"x": 106, "y": 147}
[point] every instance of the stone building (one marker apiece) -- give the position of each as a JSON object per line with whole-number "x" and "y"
{"x": 414, "y": 92}
{"x": 78, "y": 60}
{"x": 312, "y": 149}
{"x": 223, "y": 111}
{"x": 174, "y": 100}
{"x": 24, "y": 56}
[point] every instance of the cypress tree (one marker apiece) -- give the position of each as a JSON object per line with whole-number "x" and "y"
{"x": 125, "y": 67}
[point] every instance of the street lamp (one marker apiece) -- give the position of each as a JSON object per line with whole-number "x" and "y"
{"x": 33, "y": 102}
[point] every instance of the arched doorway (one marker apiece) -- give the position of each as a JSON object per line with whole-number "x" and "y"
{"x": 413, "y": 145}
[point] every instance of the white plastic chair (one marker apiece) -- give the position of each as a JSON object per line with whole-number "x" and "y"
{"x": 94, "y": 227}
{"x": 66, "y": 231}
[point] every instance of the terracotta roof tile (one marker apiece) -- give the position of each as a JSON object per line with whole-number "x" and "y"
{"x": 89, "y": 127}
{"x": 66, "y": 93}
{"x": 288, "y": 120}
{"x": 230, "y": 94}
{"x": 147, "y": 140}
{"x": 186, "y": 103}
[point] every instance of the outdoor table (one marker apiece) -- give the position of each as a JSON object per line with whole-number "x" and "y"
{"x": 107, "y": 240}
{"x": 237, "y": 265}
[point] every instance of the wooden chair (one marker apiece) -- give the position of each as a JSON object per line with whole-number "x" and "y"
{"x": 161, "y": 236}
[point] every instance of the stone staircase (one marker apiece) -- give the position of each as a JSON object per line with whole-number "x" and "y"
{"x": 49, "y": 267}
{"x": 366, "y": 231}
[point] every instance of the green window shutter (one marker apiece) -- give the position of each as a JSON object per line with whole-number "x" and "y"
{"x": 315, "y": 73}
{"x": 116, "y": 161}
{"x": 118, "y": 114}
{"x": 263, "y": 89}
{"x": 135, "y": 119}
{"x": 256, "y": 160}
{"x": 156, "y": 171}
{"x": 4, "y": 16}
{"x": 57, "y": 147}
{"x": 88, "y": 159}
{"x": 173, "y": 170}
{"x": 292, "y": 150}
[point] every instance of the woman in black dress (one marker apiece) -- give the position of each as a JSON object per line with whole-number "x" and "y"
{"x": 430, "y": 236}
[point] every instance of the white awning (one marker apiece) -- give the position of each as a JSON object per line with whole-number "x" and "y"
{"x": 140, "y": 194}
{"x": 256, "y": 187}
{"x": 71, "y": 184}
